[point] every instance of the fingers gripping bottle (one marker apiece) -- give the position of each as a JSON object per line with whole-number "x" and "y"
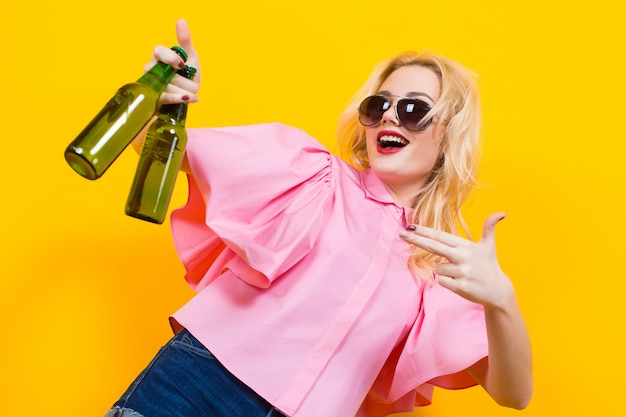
{"x": 159, "y": 162}
{"x": 121, "y": 119}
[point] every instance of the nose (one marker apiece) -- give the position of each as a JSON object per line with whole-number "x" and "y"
{"x": 390, "y": 116}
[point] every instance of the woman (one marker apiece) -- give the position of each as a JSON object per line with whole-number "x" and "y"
{"x": 329, "y": 289}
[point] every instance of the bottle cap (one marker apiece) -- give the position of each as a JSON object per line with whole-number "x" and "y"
{"x": 180, "y": 51}
{"x": 187, "y": 72}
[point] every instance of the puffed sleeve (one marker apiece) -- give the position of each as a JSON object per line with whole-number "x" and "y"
{"x": 256, "y": 202}
{"x": 447, "y": 338}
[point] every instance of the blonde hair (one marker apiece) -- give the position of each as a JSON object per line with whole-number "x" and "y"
{"x": 453, "y": 177}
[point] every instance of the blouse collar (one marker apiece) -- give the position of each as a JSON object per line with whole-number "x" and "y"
{"x": 375, "y": 189}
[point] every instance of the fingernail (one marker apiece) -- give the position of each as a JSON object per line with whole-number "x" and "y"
{"x": 404, "y": 234}
{"x": 411, "y": 228}
{"x": 181, "y": 64}
{"x": 185, "y": 98}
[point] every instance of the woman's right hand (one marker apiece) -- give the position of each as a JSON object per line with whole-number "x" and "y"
{"x": 180, "y": 88}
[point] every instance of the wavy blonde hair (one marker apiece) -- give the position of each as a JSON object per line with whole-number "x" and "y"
{"x": 453, "y": 177}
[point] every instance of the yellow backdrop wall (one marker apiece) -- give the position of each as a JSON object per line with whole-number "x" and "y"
{"x": 85, "y": 291}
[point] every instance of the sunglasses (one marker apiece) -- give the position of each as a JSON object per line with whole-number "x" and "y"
{"x": 410, "y": 112}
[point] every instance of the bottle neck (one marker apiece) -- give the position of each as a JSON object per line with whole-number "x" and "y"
{"x": 158, "y": 77}
{"x": 174, "y": 113}
{"x": 177, "y": 113}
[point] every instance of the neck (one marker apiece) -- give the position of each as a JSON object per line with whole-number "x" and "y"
{"x": 403, "y": 195}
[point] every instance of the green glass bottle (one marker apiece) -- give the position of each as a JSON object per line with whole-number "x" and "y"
{"x": 159, "y": 162}
{"x": 121, "y": 119}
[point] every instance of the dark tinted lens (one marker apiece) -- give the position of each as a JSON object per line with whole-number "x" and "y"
{"x": 411, "y": 113}
{"x": 372, "y": 108}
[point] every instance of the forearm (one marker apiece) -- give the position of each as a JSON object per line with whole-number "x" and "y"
{"x": 508, "y": 378}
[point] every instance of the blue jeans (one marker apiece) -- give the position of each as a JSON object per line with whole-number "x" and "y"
{"x": 185, "y": 380}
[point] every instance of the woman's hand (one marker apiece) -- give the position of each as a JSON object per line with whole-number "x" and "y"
{"x": 472, "y": 270}
{"x": 180, "y": 88}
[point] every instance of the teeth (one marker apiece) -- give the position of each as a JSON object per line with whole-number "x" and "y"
{"x": 393, "y": 140}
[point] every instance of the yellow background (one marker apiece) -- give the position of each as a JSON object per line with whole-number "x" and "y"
{"x": 85, "y": 291}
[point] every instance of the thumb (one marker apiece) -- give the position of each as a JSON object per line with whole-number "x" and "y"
{"x": 489, "y": 227}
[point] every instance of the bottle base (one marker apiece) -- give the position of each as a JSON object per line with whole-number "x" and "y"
{"x": 144, "y": 217}
{"x": 81, "y": 165}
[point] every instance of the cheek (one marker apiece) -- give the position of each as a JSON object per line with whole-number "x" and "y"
{"x": 370, "y": 135}
{"x": 370, "y": 140}
{"x": 428, "y": 150}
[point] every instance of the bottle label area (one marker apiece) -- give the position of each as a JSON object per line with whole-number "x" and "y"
{"x": 157, "y": 150}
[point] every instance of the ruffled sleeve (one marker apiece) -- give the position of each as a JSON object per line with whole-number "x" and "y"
{"x": 256, "y": 200}
{"x": 448, "y": 337}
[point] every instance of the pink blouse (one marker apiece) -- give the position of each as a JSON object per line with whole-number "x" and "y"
{"x": 303, "y": 288}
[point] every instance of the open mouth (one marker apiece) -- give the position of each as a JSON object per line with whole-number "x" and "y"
{"x": 392, "y": 141}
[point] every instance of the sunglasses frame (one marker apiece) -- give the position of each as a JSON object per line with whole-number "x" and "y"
{"x": 388, "y": 102}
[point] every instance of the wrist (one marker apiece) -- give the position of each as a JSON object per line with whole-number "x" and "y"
{"x": 504, "y": 299}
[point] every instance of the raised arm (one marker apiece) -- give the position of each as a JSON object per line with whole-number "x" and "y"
{"x": 473, "y": 272}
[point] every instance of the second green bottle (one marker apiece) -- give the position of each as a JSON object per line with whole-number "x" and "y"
{"x": 159, "y": 162}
